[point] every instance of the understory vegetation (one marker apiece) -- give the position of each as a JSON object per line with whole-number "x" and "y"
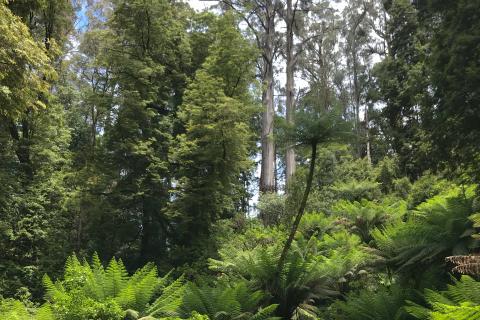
{"x": 158, "y": 162}
{"x": 364, "y": 258}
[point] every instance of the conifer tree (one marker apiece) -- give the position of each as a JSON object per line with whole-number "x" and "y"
{"x": 215, "y": 147}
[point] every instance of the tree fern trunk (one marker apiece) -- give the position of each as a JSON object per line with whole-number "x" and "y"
{"x": 301, "y": 210}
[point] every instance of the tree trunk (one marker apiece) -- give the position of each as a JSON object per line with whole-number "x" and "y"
{"x": 146, "y": 234}
{"x": 356, "y": 93}
{"x": 267, "y": 176}
{"x": 367, "y": 130}
{"x": 301, "y": 210}
{"x": 289, "y": 91}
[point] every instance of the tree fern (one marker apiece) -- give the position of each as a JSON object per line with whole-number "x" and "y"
{"x": 45, "y": 313}
{"x": 437, "y": 228}
{"x": 16, "y": 310}
{"x": 382, "y": 303}
{"x": 468, "y": 264}
{"x": 312, "y": 269}
{"x": 460, "y": 301}
{"x": 169, "y": 301}
{"x": 226, "y": 302}
{"x": 89, "y": 291}
{"x": 364, "y": 216}
{"x": 116, "y": 276}
{"x": 139, "y": 289}
{"x": 465, "y": 264}
{"x": 265, "y": 313}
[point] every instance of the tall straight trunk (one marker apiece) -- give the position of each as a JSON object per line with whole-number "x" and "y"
{"x": 267, "y": 176}
{"x": 289, "y": 91}
{"x": 356, "y": 93}
{"x": 93, "y": 129}
{"x": 367, "y": 130}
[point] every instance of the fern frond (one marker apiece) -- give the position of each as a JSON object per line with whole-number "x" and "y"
{"x": 54, "y": 291}
{"x": 437, "y": 228}
{"x": 96, "y": 292}
{"x": 116, "y": 277}
{"x": 465, "y": 264}
{"x": 169, "y": 301}
{"x": 266, "y": 313}
{"x": 383, "y": 303}
{"x": 14, "y": 310}
{"x": 45, "y": 313}
{"x": 459, "y": 301}
{"x": 139, "y": 289}
{"x": 225, "y": 302}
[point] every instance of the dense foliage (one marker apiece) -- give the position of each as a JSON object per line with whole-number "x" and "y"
{"x": 131, "y": 132}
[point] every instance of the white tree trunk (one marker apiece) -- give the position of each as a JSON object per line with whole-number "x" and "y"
{"x": 289, "y": 91}
{"x": 267, "y": 175}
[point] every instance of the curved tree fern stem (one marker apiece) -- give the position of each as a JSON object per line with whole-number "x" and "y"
{"x": 301, "y": 210}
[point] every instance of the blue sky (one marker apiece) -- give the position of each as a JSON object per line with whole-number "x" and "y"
{"x": 82, "y": 19}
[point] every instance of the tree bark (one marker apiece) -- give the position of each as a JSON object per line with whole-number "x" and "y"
{"x": 289, "y": 91}
{"x": 267, "y": 175}
{"x": 354, "y": 52}
{"x": 261, "y": 21}
{"x": 356, "y": 93}
{"x": 367, "y": 130}
{"x": 301, "y": 210}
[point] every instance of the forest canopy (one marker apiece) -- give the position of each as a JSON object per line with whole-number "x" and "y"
{"x": 256, "y": 159}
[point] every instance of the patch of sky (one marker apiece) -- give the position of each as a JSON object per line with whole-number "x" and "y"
{"x": 82, "y": 18}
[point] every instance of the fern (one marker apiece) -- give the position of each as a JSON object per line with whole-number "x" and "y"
{"x": 305, "y": 311}
{"x": 116, "y": 277}
{"x": 460, "y": 301}
{"x": 265, "y": 313}
{"x": 16, "y": 310}
{"x": 139, "y": 289}
{"x": 226, "y": 302}
{"x": 311, "y": 273}
{"x": 362, "y": 217}
{"x": 169, "y": 301}
{"x": 437, "y": 228}
{"x": 96, "y": 279}
{"x": 379, "y": 304}
{"x": 45, "y": 313}
{"x": 465, "y": 264}
{"x": 89, "y": 291}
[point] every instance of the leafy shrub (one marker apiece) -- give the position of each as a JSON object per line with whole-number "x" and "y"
{"x": 355, "y": 190}
{"x": 350, "y": 169}
{"x": 402, "y": 187}
{"x": 272, "y": 209}
{"x": 386, "y": 173}
{"x": 425, "y": 188}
